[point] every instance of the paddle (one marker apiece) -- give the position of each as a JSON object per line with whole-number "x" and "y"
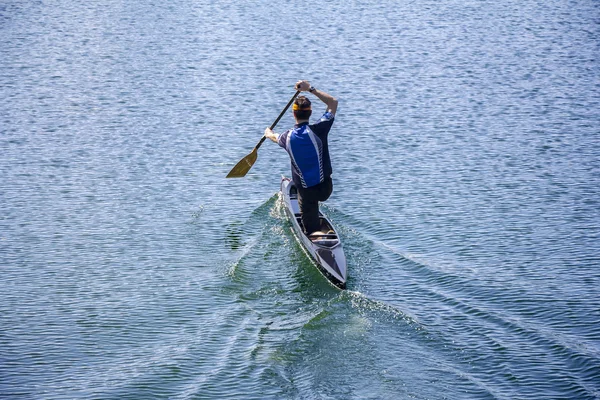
{"x": 243, "y": 166}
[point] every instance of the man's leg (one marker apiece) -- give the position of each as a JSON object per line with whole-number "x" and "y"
{"x": 308, "y": 200}
{"x": 309, "y": 207}
{"x": 325, "y": 189}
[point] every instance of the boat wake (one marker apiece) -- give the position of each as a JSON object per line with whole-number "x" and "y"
{"x": 434, "y": 316}
{"x": 474, "y": 318}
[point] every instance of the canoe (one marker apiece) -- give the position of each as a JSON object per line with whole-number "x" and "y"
{"x": 325, "y": 250}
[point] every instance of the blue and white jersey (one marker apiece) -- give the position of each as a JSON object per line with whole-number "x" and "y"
{"x": 309, "y": 151}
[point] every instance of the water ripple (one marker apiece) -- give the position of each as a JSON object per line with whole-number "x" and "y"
{"x": 466, "y": 194}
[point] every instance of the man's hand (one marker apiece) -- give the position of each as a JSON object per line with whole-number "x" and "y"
{"x": 332, "y": 103}
{"x": 271, "y": 135}
{"x": 302, "y": 86}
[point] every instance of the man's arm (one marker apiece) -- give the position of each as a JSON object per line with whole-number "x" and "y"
{"x": 326, "y": 98}
{"x": 271, "y": 135}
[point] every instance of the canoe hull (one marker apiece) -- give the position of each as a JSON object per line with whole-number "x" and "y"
{"x": 325, "y": 251}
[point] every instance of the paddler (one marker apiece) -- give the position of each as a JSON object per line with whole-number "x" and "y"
{"x": 308, "y": 149}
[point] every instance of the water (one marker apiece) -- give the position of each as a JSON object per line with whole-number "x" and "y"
{"x": 467, "y": 171}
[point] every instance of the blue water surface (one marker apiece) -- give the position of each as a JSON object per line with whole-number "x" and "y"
{"x": 467, "y": 183}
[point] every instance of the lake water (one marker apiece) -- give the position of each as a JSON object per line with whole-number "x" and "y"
{"x": 466, "y": 158}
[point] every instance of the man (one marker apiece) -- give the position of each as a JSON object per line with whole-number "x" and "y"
{"x": 308, "y": 148}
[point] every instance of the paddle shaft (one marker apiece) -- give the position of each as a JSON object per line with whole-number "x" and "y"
{"x": 278, "y": 118}
{"x": 243, "y": 166}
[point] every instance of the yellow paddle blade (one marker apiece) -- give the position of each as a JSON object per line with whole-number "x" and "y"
{"x": 241, "y": 168}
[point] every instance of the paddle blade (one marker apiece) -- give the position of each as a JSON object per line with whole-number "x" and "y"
{"x": 241, "y": 168}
